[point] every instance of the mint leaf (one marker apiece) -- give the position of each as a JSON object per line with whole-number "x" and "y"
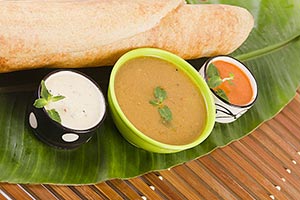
{"x": 154, "y": 102}
{"x": 40, "y": 103}
{"x": 212, "y": 71}
{"x": 222, "y": 94}
{"x": 46, "y": 98}
{"x": 165, "y": 113}
{"x": 160, "y": 94}
{"x": 44, "y": 91}
{"x": 54, "y": 115}
{"x": 231, "y": 77}
{"x": 57, "y": 98}
{"x": 214, "y": 81}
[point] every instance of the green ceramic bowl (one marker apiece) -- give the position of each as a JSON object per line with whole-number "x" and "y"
{"x": 130, "y": 132}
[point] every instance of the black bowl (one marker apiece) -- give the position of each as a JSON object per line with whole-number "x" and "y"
{"x": 54, "y": 133}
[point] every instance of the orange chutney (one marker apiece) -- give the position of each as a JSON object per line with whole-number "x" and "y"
{"x": 239, "y": 90}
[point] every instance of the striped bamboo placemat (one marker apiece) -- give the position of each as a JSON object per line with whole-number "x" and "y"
{"x": 263, "y": 165}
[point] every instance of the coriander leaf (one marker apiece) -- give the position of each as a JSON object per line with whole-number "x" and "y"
{"x": 222, "y": 94}
{"x": 214, "y": 81}
{"x": 57, "y": 98}
{"x": 154, "y": 102}
{"x": 165, "y": 113}
{"x": 160, "y": 94}
{"x": 44, "y": 91}
{"x": 40, "y": 103}
{"x": 54, "y": 115}
{"x": 212, "y": 71}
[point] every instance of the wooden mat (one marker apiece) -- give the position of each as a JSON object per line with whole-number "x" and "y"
{"x": 263, "y": 165}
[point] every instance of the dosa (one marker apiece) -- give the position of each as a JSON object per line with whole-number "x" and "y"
{"x": 72, "y": 34}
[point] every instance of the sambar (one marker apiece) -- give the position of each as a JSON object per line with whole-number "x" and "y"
{"x": 135, "y": 85}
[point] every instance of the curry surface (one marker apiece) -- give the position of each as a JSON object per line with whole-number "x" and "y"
{"x": 134, "y": 87}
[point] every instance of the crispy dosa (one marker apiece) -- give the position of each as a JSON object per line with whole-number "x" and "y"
{"x": 191, "y": 31}
{"x": 68, "y": 34}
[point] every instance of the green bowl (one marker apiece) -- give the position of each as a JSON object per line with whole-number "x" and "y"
{"x": 130, "y": 132}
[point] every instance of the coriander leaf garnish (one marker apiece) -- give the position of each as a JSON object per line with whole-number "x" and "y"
{"x": 46, "y": 98}
{"x": 160, "y": 95}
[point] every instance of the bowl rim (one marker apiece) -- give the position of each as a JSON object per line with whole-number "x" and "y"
{"x": 190, "y": 71}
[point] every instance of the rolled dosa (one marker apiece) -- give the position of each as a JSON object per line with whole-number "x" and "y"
{"x": 68, "y": 34}
{"x": 191, "y": 31}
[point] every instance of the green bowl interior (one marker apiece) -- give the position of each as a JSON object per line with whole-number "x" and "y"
{"x": 189, "y": 70}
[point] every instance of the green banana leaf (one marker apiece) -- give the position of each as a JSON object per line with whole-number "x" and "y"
{"x": 271, "y": 52}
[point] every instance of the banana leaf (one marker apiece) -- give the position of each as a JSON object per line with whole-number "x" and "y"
{"x": 271, "y": 52}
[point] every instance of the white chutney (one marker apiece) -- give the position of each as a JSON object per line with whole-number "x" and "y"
{"x": 84, "y": 104}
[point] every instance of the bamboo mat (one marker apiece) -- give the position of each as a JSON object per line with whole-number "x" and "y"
{"x": 263, "y": 165}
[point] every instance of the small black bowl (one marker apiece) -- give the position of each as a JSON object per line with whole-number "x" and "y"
{"x": 54, "y": 133}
